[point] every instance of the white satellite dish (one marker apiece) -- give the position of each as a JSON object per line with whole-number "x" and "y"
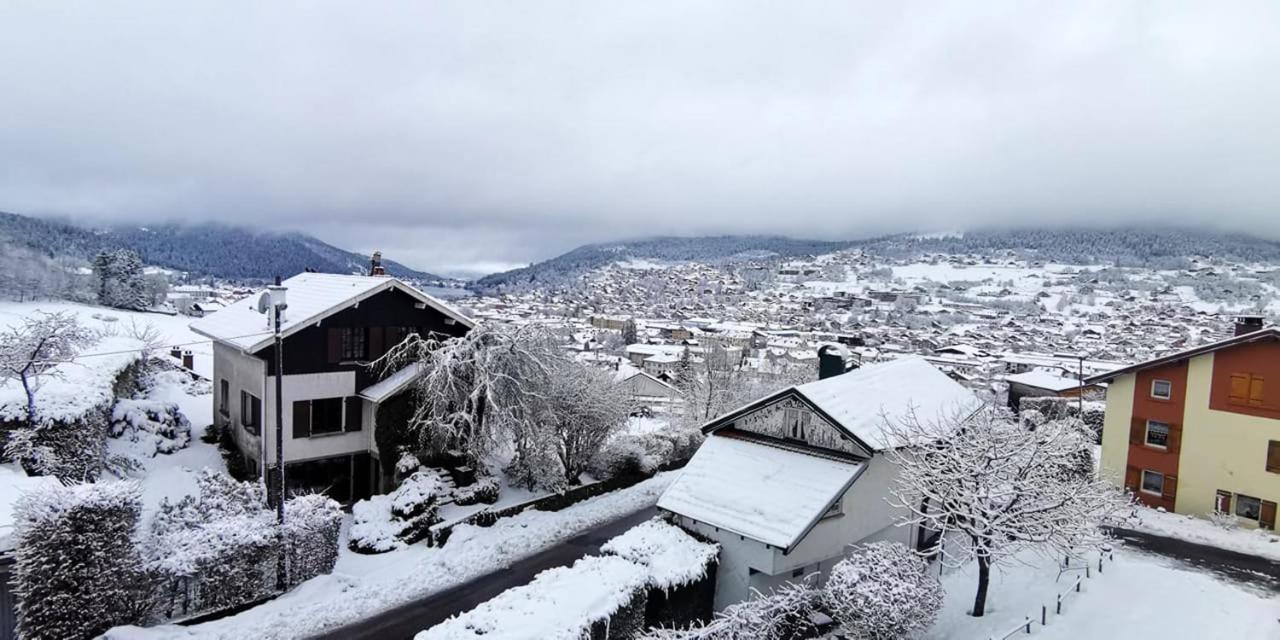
{"x": 264, "y": 302}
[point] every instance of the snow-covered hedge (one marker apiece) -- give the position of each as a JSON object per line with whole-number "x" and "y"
{"x": 311, "y": 526}
{"x": 1053, "y": 408}
{"x": 681, "y": 572}
{"x": 787, "y": 613}
{"x": 644, "y": 454}
{"x": 484, "y": 491}
{"x": 77, "y": 572}
{"x": 672, "y": 557}
{"x": 883, "y": 591}
{"x": 597, "y": 597}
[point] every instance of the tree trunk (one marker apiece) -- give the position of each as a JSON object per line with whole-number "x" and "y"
{"x": 31, "y": 400}
{"x": 984, "y": 577}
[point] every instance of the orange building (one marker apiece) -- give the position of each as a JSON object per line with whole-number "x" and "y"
{"x": 1198, "y": 431}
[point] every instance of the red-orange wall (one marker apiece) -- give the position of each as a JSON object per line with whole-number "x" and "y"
{"x": 1258, "y": 358}
{"x": 1169, "y": 411}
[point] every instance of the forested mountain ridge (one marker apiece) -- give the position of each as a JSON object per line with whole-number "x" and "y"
{"x": 1165, "y": 248}
{"x": 206, "y": 249}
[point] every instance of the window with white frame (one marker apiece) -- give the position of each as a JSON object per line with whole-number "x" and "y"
{"x": 1248, "y": 507}
{"x": 1162, "y": 389}
{"x": 1157, "y": 434}
{"x": 1152, "y": 482}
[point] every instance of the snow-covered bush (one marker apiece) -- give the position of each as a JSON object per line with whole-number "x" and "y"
{"x": 783, "y": 614}
{"x": 624, "y": 456}
{"x": 405, "y": 516}
{"x": 672, "y": 558}
{"x": 77, "y": 572}
{"x": 311, "y": 526}
{"x": 536, "y": 465}
{"x": 216, "y": 550}
{"x": 407, "y": 464}
{"x": 883, "y": 591}
{"x": 1224, "y": 520}
{"x": 153, "y": 426}
{"x": 554, "y": 607}
{"x": 484, "y": 491}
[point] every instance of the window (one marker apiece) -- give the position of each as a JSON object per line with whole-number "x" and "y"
{"x": 1273, "y": 456}
{"x": 1222, "y": 501}
{"x": 1248, "y": 507}
{"x": 224, "y": 398}
{"x": 1162, "y": 389}
{"x": 1157, "y": 434}
{"x": 325, "y": 415}
{"x": 1152, "y": 482}
{"x": 353, "y": 343}
{"x": 250, "y": 412}
{"x": 1246, "y": 389}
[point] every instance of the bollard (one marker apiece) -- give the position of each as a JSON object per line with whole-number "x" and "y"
{"x": 1086, "y": 571}
{"x": 1059, "y": 604}
{"x": 1028, "y": 627}
{"x": 1078, "y": 586}
{"x": 1099, "y": 564}
{"x": 1044, "y": 614}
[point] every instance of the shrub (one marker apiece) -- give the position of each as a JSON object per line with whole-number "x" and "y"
{"x": 419, "y": 493}
{"x": 77, "y": 572}
{"x": 884, "y": 591}
{"x": 311, "y": 526}
{"x": 153, "y": 426}
{"x": 484, "y": 491}
{"x": 623, "y": 456}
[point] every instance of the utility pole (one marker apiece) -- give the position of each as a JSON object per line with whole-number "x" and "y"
{"x": 1080, "y": 393}
{"x": 277, "y": 308}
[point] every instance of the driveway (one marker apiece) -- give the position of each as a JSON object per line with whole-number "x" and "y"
{"x": 1232, "y": 565}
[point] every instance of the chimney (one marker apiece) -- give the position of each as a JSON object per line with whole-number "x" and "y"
{"x": 188, "y": 360}
{"x": 1248, "y": 324}
{"x": 832, "y": 361}
{"x": 375, "y": 265}
{"x": 175, "y": 353}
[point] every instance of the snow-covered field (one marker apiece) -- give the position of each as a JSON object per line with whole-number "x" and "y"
{"x": 173, "y": 330}
{"x": 1137, "y": 596}
{"x": 364, "y": 585}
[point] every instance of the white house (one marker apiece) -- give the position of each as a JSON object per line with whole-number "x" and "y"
{"x": 788, "y": 482}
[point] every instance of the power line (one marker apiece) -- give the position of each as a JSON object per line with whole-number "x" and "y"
{"x": 80, "y": 356}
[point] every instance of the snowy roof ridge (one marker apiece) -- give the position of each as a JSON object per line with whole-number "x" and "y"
{"x": 312, "y": 297}
{"x": 1268, "y": 332}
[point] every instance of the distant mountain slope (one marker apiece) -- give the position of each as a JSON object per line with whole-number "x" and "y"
{"x": 666, "y": 248}
{"x": 1165, "y": 248}
{"x": 208, "y": 249}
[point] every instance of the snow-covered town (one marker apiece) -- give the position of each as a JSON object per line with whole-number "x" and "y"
{"x": 712, "y": 320}
{"x": 840, "y": 445}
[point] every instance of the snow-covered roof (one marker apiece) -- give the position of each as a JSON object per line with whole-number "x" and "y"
{"x": 1046, "y": 380}
{"x": 392, "y": 384}
{"x": 863, "y": 400}
{"x": 760, "y": 491}
{"x": 311, "y": 297}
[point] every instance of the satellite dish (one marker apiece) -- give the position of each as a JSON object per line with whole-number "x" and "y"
{"x": 264, "y": 302}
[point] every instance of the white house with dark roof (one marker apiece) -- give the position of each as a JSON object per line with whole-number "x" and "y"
{"x": 786, "y": 483}
{"x": 334, "y": 326}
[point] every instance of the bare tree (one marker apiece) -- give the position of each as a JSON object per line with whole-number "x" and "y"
{"x": 585, "y": 409}
{"x": 31, "y": 351}
{"x": 994, "y": 488}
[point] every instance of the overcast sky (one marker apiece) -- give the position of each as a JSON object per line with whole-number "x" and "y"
{"x": 476, "y": 134}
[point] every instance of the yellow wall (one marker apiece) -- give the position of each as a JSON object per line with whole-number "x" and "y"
{"x": 1115, "y": 428}
{"x": 1220, "y": 449}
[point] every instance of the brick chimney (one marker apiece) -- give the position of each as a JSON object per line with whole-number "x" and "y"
{"x": 375, "y": 265}
{"x": 1248, "y": 324}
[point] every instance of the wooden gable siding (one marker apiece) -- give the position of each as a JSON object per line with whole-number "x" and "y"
{"x": 771, "y": 420}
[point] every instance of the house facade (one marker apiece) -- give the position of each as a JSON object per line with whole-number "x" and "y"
{"x": 786, "y": 484}
{"x": 334, "y": 326}
{"x": 1198, "y": 431}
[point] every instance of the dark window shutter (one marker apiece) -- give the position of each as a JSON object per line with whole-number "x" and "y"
{"x": 1174, "y": 443}
{"x": 1222, "y": 501}
{"x": 335, "y": 345}
{"x": 1267, "y": 520}
{"x": 1171, "y": 488}
{"x": 302, "y": 419}
{"x": 354, "y": 404}
{"x": 375, "y": 343}
{"x": 1137, "y": 431}
{"x": 1273, "y": 456}
{"x": 1132, "y": 477}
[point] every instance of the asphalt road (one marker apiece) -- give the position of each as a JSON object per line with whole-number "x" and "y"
{"x": 1232, "y": 565}
{"x": 408, "y": 619}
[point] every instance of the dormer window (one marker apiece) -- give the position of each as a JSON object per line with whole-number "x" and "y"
{"x": 1161, "y": 389}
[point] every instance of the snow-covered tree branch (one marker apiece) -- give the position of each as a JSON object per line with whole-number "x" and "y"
{"x": 994, "y": 488}
{"x": 32, "y": 350}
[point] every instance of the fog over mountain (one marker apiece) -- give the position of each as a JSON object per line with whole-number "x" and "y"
{"x": 472, "y": 137}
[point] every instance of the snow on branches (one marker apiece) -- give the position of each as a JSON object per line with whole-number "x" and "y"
{"x": 883, "y": 591}
{"x": 993, "y": 487}
{"x": 32, "y": 351}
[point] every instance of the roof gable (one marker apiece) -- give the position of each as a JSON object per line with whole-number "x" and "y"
{"x": 312, "y": 297}
{"x": 1268, "y": 333}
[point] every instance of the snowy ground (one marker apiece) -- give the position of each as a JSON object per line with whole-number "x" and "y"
{"x": 1256, "y": 542}
{"x": 173, "y": 329}
{"x": 1137, "y": 596}
{"x": 363, "y": 585}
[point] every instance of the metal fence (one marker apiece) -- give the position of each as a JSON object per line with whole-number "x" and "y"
{"x": 1025, "y": 627}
